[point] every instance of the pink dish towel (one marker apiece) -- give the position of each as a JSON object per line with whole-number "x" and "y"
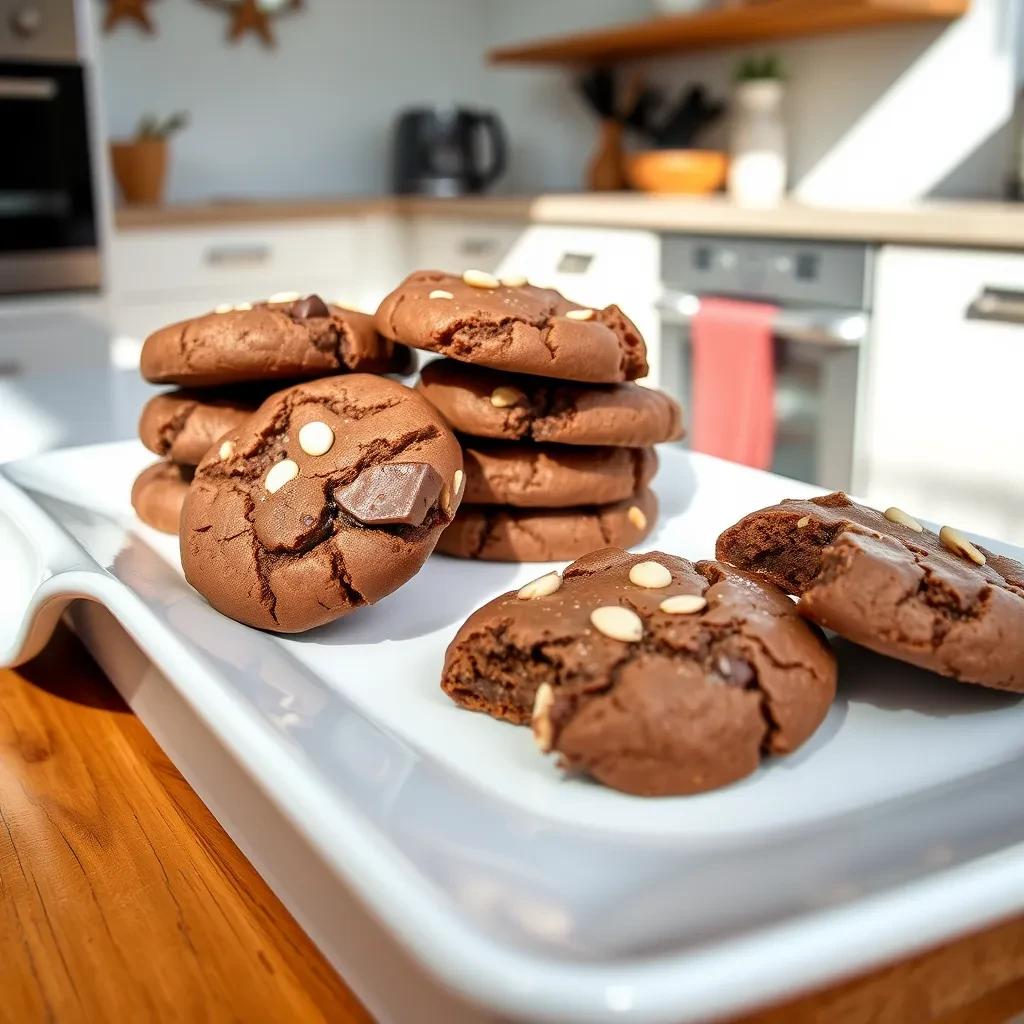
{"x": 733, "y": 413}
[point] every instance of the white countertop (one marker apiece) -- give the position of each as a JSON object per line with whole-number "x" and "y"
{"x": 983, "y": 225}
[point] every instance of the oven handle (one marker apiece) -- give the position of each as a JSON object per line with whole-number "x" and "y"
{"x": 1002, "y": 305}
{"x": 824, "y": 325}
{"x": 15, "y": 87}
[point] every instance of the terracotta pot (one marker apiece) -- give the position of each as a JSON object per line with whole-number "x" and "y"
{"x": 140, "y": 167}
{"x": 605, "y": 171}
{"x": 689, "y": 171}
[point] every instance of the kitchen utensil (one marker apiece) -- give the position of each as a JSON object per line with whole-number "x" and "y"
{"x": 692, "y": 114}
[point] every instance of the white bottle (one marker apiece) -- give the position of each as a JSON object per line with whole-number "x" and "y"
{"x": 757, "y": 171}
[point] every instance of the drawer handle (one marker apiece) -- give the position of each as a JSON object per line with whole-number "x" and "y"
{"x": 1003, "y": 305}
{"x": 574, "y": 262}
{"x": 477, "y": 246}
{"x": 237, "y": 255}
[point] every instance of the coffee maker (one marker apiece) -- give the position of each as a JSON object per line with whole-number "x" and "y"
{"x": 440, "y": 151}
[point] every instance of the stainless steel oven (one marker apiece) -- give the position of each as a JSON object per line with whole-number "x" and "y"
{"x": 822, "y": 294}
{"x": 48, "y": 222}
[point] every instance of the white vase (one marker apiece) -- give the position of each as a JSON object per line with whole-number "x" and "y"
{"x": 757, "y": 171}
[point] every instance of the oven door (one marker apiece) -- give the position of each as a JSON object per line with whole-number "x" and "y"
{"x": 817, "y": 367}
{"x": 47, "y": 208}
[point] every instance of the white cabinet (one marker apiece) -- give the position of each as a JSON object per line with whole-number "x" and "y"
{"x": 456, "y": 244}
{"x": 942, "y": 429}
{"x": 220, "y": 263}
{"x": 44, "y": 333}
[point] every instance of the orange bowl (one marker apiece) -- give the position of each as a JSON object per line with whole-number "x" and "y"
{"x": 691, "y": 171}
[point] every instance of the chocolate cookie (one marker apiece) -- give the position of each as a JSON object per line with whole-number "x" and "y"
{"x": 291, "y": 339}
{"x": 514, "y": 326}
{"x": 495, "y": 534}
{"x": 330, "y": 496}
{"x": 488, "y": 403}
{"x": 553, "y": 476}
{"x": 651, "y": 674}
{"x": 158, "y": 494}
{"x": 884, "y": 581}
{"x": 181, "y": 425}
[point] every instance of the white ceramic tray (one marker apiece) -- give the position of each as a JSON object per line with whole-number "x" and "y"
{"x": 447, "y": 868}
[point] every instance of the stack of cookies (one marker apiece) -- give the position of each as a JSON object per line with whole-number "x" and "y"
{"x": 225, "y": 364}
{"x": 557, "y": 439}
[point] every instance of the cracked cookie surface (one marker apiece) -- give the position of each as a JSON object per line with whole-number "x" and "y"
{"x": 519, "y": 328}
{"x": 296, "y": 517}
{"x": 494, "y": 533}
{"x": 269, "y": 341}
{"x": 158, "y": 494}
{"x": 181, "y": 425}
{"x": 889, "y": 586}
{"x": 691, "y": 701}
{"x": 488, "y": 403}
{"x": 553, "y": 476}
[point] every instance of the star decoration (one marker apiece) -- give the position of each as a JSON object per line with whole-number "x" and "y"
{"x": 130, "y": 10}
{"x": 254, "y": 16}
{"x": 250, "y": 17}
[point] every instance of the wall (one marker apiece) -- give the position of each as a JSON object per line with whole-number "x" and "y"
{"x": 876, "y": 117}
{"x": 551, "y": 130}
{"x": 311, "y": 117}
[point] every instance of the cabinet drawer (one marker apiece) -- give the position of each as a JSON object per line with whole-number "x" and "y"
{"x": 249, "y": 260}
{"x": 457, "y": 245}
{"x": 942, "y": 430}
{"x": 39, "y": 336}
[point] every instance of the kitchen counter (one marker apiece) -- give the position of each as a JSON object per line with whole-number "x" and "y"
{"x": 107, "y": 849}
{"x": 981, "y": 225}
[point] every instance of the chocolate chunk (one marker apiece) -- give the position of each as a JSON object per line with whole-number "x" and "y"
{"x": 398, "y": 493}
{"x": 308, "y": 308}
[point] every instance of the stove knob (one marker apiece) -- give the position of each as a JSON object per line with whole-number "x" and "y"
{"x": 26, "y": 21}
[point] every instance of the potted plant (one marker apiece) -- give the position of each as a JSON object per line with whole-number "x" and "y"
{"x": 758, "y": 169}
{"x": 140, "y": 163}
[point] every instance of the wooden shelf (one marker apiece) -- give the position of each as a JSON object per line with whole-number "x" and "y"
{"x": 756, "y": 22}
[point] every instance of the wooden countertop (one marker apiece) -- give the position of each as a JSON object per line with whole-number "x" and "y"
{"x": 121, "y": 898}
{"x": 985, "y": 225}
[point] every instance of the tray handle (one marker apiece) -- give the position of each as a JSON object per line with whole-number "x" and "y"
{"x": 42, "y": 569}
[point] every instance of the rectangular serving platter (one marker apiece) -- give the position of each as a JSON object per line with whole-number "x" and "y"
{"x": 443, "y": 864}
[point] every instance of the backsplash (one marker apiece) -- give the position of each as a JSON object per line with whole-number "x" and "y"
{"x": 314, "y": 116}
